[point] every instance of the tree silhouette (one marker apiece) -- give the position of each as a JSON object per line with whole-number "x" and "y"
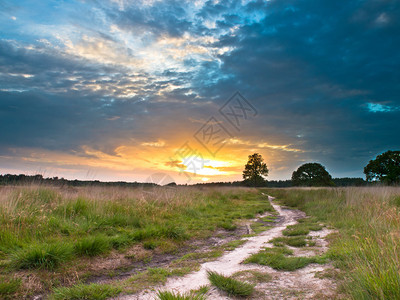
{"x": 254, "y": 170}
{"x": 311, "y": 174}
{"x": 385, "y": 168}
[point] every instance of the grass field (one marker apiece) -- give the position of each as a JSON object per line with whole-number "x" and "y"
{"x": 51, "y": 238}
{"x": 366, "y": 246}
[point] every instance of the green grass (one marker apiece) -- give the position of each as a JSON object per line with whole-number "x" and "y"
{"x": 279, "y": 259}
{"x": 166, "y": 295}
{"x": 92, "y": 245}
{"x": 259, "y": 227}
{"x": 150, "y": 245}
{"x": 366, "y": 247}
{"x": 8, "y": 287}
{"x": 298, "y": 229}
{"x": 153, "y": 276}
{"x": 294, "y": 241}
{"x": 227, "y": 225}
{"x": 51, "y": 231}
{"x": 253, "y": 276}
{"x": 270, "y": 219}
{"x": 232, "y": 245}
{"x": 87, "y": 292}
{"x": 230, "y": 285}
{"x": 302, "y": 228}
{"x": 41, "y": 256}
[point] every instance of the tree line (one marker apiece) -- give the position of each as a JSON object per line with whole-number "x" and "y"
{"x": 384, "y": 169}
{"x": 9, "y": 179}
{"x": 22, "y": 179}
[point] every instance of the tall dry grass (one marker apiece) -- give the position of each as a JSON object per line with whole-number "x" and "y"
{"x": 43, "y": 227}
{"x": 367, "y": 246}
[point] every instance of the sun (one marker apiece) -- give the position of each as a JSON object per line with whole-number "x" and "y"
{"x": 205, "y": 167}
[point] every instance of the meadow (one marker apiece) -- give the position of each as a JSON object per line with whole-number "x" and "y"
{"x": 366, "y": 245}
{"x": 54, "y": 240}
{"x": 53, "y": 237}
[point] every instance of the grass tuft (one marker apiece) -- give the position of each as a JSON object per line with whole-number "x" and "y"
{"x": 294, "y": 241}
{"x": 88, "y": 292}
{"x": 277, "y": 259}
{"x": 298, "y": 229}
{"x": 253, "y": 276}
{"x": 45, "y": 256}
{"x": 232, "y": 286}
{"x": 9, "y": 287}
{"x": 166, "y": 295}
{"x": 93, "y": 245}
{"x": 150, "y": 245}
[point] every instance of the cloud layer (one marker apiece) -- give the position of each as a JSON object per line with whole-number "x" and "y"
{"x": 114, "y": 88}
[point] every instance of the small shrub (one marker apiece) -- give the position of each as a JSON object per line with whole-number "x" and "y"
{"x": 231, "y": 286}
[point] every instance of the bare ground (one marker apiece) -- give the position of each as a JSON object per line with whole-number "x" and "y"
{"x": 299, "y": 284}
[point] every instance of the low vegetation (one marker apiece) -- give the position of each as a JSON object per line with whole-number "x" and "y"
{"x": 253, "y": 276}
{"x": 51, "y": 238}
{"x": 302, "y": 228}
{"x": 230, "y": 285}
{"x": 52, "y": 233}
{"x": 280, "y": 259}
{"x": 8, "y": 287}
{"x": 194, "y": 295}
{"x": 88, "y": 292}
{"x": 366, "y": 246}
{"x": 293, "y": 241}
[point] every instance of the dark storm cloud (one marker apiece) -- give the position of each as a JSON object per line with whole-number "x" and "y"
{"x": 309, "y": 67}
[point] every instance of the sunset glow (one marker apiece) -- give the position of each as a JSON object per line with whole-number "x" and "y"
{"x": 113, "y": 90}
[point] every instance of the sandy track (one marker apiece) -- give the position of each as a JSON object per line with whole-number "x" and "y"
{"x": 282, "y": 282}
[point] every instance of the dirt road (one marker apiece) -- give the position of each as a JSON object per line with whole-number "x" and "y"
{"x": 283, "y": 285}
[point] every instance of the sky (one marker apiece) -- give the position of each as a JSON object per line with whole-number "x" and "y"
{"x": 118, "y": 90}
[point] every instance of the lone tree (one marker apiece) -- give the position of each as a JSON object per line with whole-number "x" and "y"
{"x": 385, "y": 168}
{"x": 312, "y": 174}
{"x": 254, "y": 170}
